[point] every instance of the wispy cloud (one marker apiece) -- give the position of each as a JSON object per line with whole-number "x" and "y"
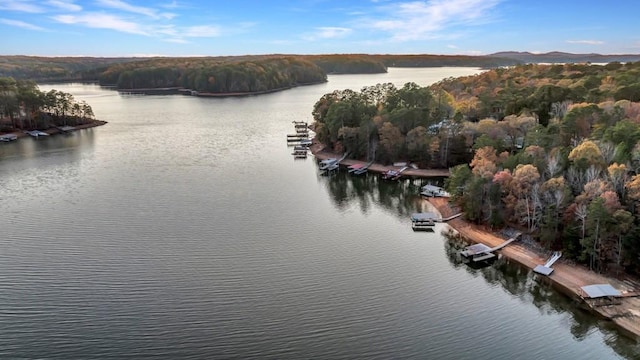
{"x": 327, "y": 33}
{"x": 101, "y": 21}
{"x": 67, "y": 5}
{"x": 201, "y": 31}
{"x": 124, "y": 6}
{"x": 21, "y": 24}
{"x": 171, "y": 5}
{"x": 21, "y": 5}
{"x": 419, "y": 20}
{"x": 586, "y": 42}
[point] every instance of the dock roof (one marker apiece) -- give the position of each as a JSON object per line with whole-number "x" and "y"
{"x": 600, "y": 290}
{"x": 476, "y": 249}
{"x": 423, "y": 216}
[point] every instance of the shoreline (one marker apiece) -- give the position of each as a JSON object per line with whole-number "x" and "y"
{"x": 567, "y": 278}
{"x": 55, "y": 130}
{"x": 317, "y": 149}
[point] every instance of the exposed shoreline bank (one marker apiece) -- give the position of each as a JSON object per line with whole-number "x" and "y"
{"x": 567, "y": 278}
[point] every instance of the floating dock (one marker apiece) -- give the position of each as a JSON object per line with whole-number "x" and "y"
{"x": 394, "y": 174}
{"x": 359, "y": 169}
{"x": 299, "y": 152}
{"x": 332, "y": 164}
{"x": 546, "y": 268}
{"x": 424, "y": 221}
{"x": 433, "y": 191}
{"x": 481, "y": 252}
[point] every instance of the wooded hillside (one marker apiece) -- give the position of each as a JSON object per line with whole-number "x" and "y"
{"x": 551, "y": 149}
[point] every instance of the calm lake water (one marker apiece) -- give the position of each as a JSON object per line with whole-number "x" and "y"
{"x": 184, "y": 229}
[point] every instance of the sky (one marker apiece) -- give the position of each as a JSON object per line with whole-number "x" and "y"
{"x": 114, "y": 28}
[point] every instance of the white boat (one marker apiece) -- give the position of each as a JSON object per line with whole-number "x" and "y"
{"x": 8, "y": 137}
{"x": 305, "y": 142}
{"x": 37, "y": 133}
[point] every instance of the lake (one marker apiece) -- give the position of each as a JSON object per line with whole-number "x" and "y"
{"x": 184, "y": 229}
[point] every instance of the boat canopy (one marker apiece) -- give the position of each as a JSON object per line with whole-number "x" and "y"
{"x": 600, "y": 290}
{"x": 328, "y": 161}
{"x": 423, "y": 216}
{"x": 476, "y": 249}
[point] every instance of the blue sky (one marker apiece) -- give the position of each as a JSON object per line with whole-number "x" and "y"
{"x": 240, "y": 27}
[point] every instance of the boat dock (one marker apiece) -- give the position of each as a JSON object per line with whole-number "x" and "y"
{"x": 481, "y": 252}
{"x": 300, "y": 138}
{"x": 359, "y": 168}
{"x": 433, "y": 191}
{"x": 424, "y": 221}
{"x": 300, "y": 152}
{"x": 331, "y": 164}
{"x": 394, "y": 174}
{"x": 546, "y": 268}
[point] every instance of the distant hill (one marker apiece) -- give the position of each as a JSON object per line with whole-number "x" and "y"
{"x": 563, "y": 57}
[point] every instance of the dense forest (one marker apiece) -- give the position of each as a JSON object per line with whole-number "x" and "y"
{"x": 24, "y": 107}
{"x": 551, "y": 149}
{"x": 209, "y": 75}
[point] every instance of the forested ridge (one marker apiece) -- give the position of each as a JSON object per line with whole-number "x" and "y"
{"x": 221, "y": 74}
{"x": 551, "y": 149}
{"x": 91, "y": 69}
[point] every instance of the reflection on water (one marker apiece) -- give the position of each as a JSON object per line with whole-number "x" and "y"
{"x": 59, "y": 146}
{"x": 527, "y": 287}
{"x": 183, "y": 229}
{"x": 399, "y": 198}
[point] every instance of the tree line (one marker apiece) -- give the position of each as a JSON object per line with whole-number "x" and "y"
{"x": 551, "y": 149}
{"x": 24, "y": 107}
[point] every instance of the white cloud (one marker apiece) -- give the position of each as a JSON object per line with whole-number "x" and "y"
{"x": 201, "y": 31}
{"x": 121, "y": 5}
{"x": 21, "y": 5}
{"x": 21, "y": 24}
{"x": 171, "y": 5}
{"x": 176, "y": 40}
{"x": 67, "y": 5}
{"x": 452, "y": 47}
{"x": 419, "y": 20}
{"x": 586, "y": 42}
{"x": 327, "y": 33}
{"x": 101, "y": 21}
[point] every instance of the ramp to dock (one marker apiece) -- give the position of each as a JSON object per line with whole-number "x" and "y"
{"x": 546, "y": 268}
{"x": 451, "y": 217}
